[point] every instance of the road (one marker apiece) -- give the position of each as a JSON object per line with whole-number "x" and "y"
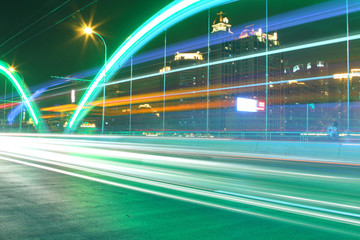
{"x": 92, "y": 188}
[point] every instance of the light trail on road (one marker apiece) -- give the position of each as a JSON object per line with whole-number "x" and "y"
{"x": 260, "y": 187}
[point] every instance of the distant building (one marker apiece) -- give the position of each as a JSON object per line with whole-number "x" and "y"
{"x": 221, "y": 24}
{"x": 189, "y": 78}
{"x": 187, "y": 117}
{"x": 340, "y": 92}
{"x": 245, "y": 72}
{"x": 307, "y": 89}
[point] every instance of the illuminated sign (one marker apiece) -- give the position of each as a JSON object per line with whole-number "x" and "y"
{"x": 72, "y": 96}
{"x": 249, "y": 105}
{"x": 261, "y": 106}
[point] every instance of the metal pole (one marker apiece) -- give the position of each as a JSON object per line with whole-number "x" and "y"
{"x": 103, "y": 112}
{"x": 21, "y": 106}
{"x": 12, "y": 101}
{"x": 4, "y": 103}
{"x": 348, "y": 67}
{"x": 164, "y": 86}
{"x": 267, "y": 73}
{"x": 21, "y": 116}
{"x": 208, "y": 78}
{"x": 307, "y": 122}
{"x": 131, "y": 76}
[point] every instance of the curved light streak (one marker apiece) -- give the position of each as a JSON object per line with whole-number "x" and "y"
{"x": 165, "y": 18}
{"x": 17, "y": 110}
{"x": 23, "y": 92}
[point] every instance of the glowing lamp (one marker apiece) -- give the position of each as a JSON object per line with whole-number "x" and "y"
{"x": 88, "y": 30}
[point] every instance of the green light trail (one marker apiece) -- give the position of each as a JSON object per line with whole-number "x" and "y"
{"x": 235, "y": 59}
{"x": 226, "y": 184}
{"x": 24, "y": 93}
{"x": 165, "y": 18}
{"x": 168, "y": 16}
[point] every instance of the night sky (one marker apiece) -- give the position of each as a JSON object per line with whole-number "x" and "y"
{"x": 60, "y": 50}
{"x": 41, "y": 44}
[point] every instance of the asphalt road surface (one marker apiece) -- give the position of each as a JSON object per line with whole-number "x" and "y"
{"x": 71, "y": 188}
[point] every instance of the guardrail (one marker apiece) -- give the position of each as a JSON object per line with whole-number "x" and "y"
{"x": 345, "y": 150}
{"x": 269, "y": 136}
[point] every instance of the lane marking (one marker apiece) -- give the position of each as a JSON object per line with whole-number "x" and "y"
{"x": 200, "y": 193}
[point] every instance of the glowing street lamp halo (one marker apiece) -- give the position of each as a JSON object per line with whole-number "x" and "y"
{"x": 88, "y": 30}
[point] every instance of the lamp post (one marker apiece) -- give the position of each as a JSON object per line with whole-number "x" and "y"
{"x": 4, "y": 120}
{"x": 11, "y": 69}
{"x": 89, "y": 30}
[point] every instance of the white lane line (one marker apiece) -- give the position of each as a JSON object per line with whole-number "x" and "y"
{"x": 215, "y": 195}
{"x": 291, "y": 204}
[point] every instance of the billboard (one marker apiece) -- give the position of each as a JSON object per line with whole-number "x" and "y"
{"x": 249, "y": 105}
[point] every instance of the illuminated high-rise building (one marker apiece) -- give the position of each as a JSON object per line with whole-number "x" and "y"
{"x": 221, "y": 24}
{"x": 183, "y": 82}
{"x": 246, "y": 72}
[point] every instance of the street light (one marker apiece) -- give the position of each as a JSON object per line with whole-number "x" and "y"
{"x": 12, "y": 69}
{"x": 89, "y": 30}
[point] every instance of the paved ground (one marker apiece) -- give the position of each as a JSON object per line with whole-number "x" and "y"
{"x": 39, "y": 203}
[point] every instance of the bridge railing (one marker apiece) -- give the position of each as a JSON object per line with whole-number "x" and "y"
{"x": 269, "y": 136}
